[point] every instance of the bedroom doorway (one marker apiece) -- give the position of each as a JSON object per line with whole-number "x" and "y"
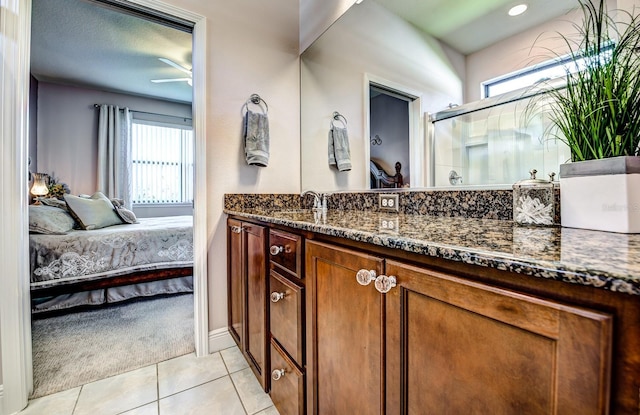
{"x": 16, "y": 335}
{"x": 397, "y": 143}
{"x": 389, "y": 137}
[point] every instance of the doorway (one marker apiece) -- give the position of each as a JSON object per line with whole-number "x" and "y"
{"x": 389, "y": 140}
{"x": 14, "y": 298}
{"x": 396, "y": 149}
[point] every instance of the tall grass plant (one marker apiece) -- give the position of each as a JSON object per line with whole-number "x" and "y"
{"x": 597, "y": 114}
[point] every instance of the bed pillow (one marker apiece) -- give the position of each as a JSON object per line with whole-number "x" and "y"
{"x": 49, "y": 220}
{"x": 94, "y": 212}
{"x": 52, "y": 201}
{"x": 125, "y": 214}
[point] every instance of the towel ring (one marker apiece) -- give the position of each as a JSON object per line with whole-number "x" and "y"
{"x": 338, "y": 117}
{"x": 256, "y": 100}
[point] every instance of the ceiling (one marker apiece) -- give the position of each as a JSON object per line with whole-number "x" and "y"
{"x": 82, "y": 43}
{"x": 472, "y": 25}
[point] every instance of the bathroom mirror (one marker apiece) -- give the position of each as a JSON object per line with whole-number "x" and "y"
{"x": 372, "y": 47}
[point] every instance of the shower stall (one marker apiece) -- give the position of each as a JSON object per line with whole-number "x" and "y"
{"x": 494, "y": 141}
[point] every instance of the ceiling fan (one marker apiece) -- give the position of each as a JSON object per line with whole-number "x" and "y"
{"x": 180, "y": 68}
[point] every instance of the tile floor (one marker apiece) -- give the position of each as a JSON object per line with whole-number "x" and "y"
{"x": 221, "y": 383}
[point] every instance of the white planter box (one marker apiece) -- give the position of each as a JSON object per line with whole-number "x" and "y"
{"x": 602, "y": 195}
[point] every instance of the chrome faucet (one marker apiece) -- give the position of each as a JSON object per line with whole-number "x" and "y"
{"x": 316, "y": 198}
{"x": 319, "y": 199}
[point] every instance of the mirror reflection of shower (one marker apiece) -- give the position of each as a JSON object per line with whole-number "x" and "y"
{"x": 493, "y": 142}
{"x": 454, "y": 178}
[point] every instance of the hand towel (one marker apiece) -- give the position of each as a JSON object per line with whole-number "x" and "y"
{"x": 339, "y": 154}
{"x": 256, "y": 138}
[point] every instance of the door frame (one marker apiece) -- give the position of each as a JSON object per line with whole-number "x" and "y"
{"x": 15, "y": 317}
{"x": 417, "y": 145}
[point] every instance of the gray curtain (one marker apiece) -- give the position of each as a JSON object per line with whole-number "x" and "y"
{"x": 114, "y": 153}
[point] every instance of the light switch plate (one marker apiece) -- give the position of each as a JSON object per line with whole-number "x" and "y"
{"x": 388, "y": 202}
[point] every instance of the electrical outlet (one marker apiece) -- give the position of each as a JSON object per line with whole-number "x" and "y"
{"x": 388, "y": 202}
{"x": 389, "y": 224}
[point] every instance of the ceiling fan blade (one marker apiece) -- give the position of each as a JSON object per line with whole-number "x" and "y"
{"x": 175, "y": 65}
{"x": 160, "y": 81}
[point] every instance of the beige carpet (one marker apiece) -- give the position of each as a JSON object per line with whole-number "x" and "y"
{"x": 74, "y": 349}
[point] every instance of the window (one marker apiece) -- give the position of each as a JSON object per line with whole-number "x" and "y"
{"x": 556, "y": 68}
{"x": 162, "y": 162}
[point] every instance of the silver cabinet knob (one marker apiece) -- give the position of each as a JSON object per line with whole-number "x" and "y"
{"x": 275, "y": 297}
{"x": 365, "y": 277}
{"x": 277, "y": 374}
{"x": 275, "y": 249}
{"x": 236, "y": 229}
{"x": 384, "y": 284}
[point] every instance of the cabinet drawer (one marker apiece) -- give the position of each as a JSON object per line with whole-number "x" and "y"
{"x": 285, "y": 251}
{"x": 287, "y": 383}
{"x": 286, "y": 314}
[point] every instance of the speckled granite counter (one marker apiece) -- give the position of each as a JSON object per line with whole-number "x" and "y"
{"x": 605, "y": 260}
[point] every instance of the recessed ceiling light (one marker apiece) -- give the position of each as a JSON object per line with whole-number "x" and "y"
{"x": 358, "y": 1}
{"x": 517, "y": 10}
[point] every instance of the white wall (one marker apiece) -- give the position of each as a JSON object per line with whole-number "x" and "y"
{"x": 252, "y": 47}
{"x": 67, "y": 130}
{"x": 317, "y": 15}
{"x": 367, "y": 39}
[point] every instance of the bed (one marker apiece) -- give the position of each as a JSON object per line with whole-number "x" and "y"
{"x": 115, "y": 263}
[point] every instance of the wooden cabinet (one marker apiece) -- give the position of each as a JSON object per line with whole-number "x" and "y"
{"x": 456, "y": 346}
{"x": 286, "y": 311}
{"x": 247, "y": 291}
{"x": 287, "y": 385}
{"x": 436, "y": 343}
{"x": 345, "y": 340}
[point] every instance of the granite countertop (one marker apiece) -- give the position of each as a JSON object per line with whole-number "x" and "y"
{"x": 601, "y": 259}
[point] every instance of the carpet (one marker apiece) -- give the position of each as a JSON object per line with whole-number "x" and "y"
{"x": 73, "y": 349}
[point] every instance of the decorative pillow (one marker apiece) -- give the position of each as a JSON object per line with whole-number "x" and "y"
{"x": 49, "y": 220}
{"x": 125, "y": 214}
{"x": 52, "y": 201}
{"x": 94, "y": 212}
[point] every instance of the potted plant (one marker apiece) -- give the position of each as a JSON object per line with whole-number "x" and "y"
{"x": 597, "y": 115}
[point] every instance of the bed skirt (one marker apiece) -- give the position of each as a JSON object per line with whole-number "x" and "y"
{"x": 112, "y": 294}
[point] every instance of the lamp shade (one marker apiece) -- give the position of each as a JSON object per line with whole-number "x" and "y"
{"x": 39, "y": 187}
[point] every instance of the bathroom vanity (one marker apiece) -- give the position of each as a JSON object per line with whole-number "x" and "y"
{"x": 371, "y": 312}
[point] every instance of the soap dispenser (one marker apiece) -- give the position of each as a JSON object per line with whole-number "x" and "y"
{"x": 533, "y": 202}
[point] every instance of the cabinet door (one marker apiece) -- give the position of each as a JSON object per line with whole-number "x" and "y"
{"x": 459, "y": 347}
{"x": 235, "y": 281}
{"x": 286, "y": 315}
{"x": 256, "y": 305}
{"x": 344, "y": 333}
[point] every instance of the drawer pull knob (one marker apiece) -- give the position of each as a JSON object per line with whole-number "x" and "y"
{"x": 365, "y": 277}
{"x": 275, "y": 249}
{"x": 384, "y": 283}
{"x": 236, "y": 229}
{"x": 277, "y": 374}
{"x": 275, "y": 297}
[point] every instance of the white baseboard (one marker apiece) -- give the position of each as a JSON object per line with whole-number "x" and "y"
{"x": 220, "y": 339}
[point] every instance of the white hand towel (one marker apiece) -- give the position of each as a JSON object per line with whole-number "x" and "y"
{"x": 256, "y": 139}
{"x": 339, "y": 153}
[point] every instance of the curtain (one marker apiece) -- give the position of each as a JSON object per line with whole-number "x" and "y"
{"x": 114, "y": 153}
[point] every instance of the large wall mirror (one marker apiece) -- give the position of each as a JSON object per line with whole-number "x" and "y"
{"x": 386, "y": 66}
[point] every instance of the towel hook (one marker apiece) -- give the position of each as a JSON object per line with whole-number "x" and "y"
{"x": 338, "y": 117}
{"x": 256, "y": 100}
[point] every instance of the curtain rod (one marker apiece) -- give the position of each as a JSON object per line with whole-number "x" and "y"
{"x": 150, "y": 113}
